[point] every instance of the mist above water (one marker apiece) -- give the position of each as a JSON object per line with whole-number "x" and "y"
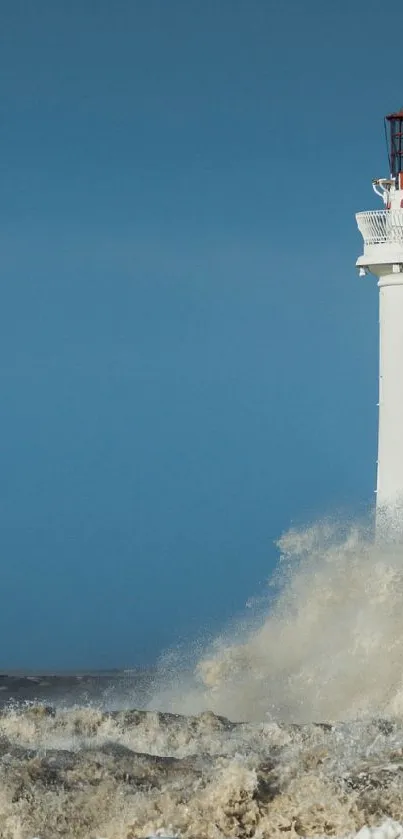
{"x": 330, "y": 646}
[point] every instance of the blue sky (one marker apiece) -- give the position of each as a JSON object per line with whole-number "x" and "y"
{"x": 188, "y": 362}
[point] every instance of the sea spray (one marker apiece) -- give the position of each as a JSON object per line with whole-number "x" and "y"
{"x": 298, "y": 728}
{"x": 330, "y": 646}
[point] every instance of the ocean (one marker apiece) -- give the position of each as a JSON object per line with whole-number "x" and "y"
{"x": 290, "y": 724}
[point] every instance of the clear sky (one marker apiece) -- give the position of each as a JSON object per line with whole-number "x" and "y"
{"x": 188, "y": 362}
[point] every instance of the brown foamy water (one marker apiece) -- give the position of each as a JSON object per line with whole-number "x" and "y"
{"x": 88, "y": 773}
{"x": 289, "y": 726}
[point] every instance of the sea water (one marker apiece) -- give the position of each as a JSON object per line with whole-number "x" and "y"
{"x": 290, "y": 724}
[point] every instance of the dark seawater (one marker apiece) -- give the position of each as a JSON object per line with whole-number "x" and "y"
{"x": 105, "y": 688}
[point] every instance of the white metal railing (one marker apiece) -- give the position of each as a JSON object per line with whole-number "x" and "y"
{"x": 377, "y": 226}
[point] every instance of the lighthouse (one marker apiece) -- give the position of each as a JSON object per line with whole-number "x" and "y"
{"x": 382, "y": 232}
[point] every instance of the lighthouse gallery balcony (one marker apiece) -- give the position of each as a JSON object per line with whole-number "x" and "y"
{"x": 378, "y": 227}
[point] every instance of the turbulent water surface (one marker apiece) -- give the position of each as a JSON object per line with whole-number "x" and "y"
{"x": 291, "y": 725}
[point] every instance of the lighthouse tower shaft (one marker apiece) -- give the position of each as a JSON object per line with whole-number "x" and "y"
{"x": 382, "y": 232}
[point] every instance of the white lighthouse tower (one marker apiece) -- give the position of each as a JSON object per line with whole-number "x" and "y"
{"x": 382, "y": 231}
